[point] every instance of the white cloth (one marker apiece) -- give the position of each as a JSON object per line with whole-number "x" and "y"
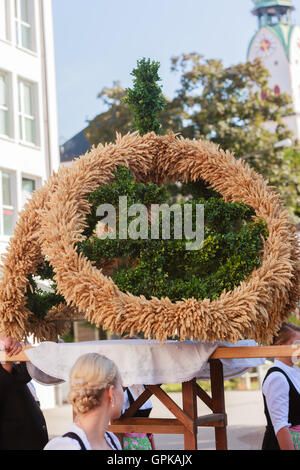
{"x": 67, "y": 443}
{"x": 276, "y": 391}
{"x": 139, "y": 361}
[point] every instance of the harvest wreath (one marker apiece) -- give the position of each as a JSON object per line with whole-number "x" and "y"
{"x": 254, "y": 309}
{"x": 55, "y": 218}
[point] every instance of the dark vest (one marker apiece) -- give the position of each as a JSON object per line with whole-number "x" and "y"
{"x": 270, "y": 440}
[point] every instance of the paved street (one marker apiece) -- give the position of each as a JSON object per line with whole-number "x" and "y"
{"x": 246, "y": 422}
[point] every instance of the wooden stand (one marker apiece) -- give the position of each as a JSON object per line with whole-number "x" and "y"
{"x": 186, "y": 420}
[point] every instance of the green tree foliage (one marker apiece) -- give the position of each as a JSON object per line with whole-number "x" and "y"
{"x": 285, "y": 176}
{"x": 117, "y": 118}
{"x": 145, "y": 100}
{"x": 225, "y": 105}
{"x": 160, "y": 268}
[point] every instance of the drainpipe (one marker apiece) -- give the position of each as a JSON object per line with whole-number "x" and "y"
{"x": 47, "y": 140}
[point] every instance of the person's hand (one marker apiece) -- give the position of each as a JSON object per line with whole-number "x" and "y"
{"x": 12, "y": 346}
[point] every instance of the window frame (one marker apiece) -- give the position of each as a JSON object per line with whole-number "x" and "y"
{"x": 6, "y": 36}
{"x": 8, "y": 108}
{"x": 12, "y": 207}
{"x": 19, "y": 23}
{"x": 22, "y": 115}
{"x": 29, "y": 178}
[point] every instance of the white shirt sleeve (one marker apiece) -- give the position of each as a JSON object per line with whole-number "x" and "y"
{"x": 276, "y": 391}
{"x": 62, "y": 443}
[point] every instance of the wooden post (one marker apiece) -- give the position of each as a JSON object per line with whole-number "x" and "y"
{"x": 218, "y": 401}
{"x": 189, "y": 405}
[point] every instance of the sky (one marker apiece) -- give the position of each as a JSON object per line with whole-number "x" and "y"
{"x": 99, "y": 41}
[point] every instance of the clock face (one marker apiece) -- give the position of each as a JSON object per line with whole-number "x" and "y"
{"x": 265, "y": 46}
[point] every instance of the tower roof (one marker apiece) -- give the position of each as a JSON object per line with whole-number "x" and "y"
{"x": 273, "y": 3}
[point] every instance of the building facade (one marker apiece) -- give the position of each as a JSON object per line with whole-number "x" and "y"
{"x": 29, "y": 149}
{"x": 277, "y": 44}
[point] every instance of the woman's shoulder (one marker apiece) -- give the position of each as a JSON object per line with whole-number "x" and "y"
{"x": 276, "y": 377}
{"x": 68, "y": 443}
{"x": 62, "y": 443}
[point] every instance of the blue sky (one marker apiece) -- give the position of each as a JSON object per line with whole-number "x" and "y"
{"x": 97, "y": 42}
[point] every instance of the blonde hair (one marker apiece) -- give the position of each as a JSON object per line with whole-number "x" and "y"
{"x": 91, "y": 374}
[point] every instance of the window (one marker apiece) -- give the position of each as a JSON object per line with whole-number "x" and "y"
{"x": 7, "y": 205}
{"x": 23, "y": 16}
{"x": 4, "y": 113}
{"x": 3, "y": 19}
{"x": 27, "y": 112}
{"x": 28, "y": 186}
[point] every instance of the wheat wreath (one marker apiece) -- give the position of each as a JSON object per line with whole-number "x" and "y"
{"x": 255, "y": 309}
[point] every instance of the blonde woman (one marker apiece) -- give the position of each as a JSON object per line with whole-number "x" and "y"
{"x": 96, "y": 394}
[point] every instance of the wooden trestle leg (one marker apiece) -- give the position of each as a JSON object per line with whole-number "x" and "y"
{"x": 189, "y": 405}
{"x": 218, "y": 401}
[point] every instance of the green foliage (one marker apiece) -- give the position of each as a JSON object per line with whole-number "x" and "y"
{"x": 161, "y": 267}
{"x": 295, "y": 318}
{"x": 286, "y": 177}
{"x": 39, "y": 301}
{"x": 145, "y": 100}
{"x": 68, "y": 337}
{"x": 224, "y": 105}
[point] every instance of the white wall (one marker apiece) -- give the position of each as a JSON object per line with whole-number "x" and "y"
{"x": 36, "y": 161}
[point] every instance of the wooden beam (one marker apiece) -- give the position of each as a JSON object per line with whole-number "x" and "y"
{"x": 21, "y": 357}
{"x": 136, "y": 405}
{"x": 189, "y": 405}
{"x": 255, "y": 351}
{"x": 214, "y": 420}
{"x": 218, "y": 397}
{"x": 172, "y": 406}
{"x": 147, "y": 425}
{"x": 204, "y": 396}
{"x": 219, "y": 353}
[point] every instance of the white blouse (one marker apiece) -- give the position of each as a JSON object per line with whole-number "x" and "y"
{"x": 67, "y": 443}
{"x": 276, "y": 391}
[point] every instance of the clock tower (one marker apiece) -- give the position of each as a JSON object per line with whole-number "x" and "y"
{"x": 277, "y": 44}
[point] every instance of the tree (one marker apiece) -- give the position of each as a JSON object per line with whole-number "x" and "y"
{"x": 286, "y": 177}
{"x": 117, "y": 118}
{"x": 230, "y": 106}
